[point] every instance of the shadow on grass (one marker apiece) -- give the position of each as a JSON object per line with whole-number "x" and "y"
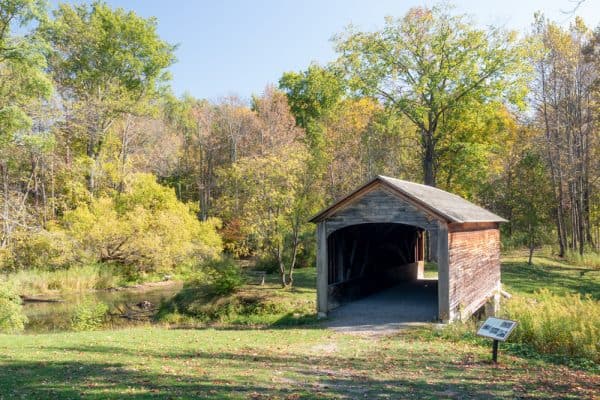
{"x": 271, "y": 376}
{"x": 525, "y": 278}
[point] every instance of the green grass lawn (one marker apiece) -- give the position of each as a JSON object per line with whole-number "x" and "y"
{"x": 547, "y": 273}
{"x": 306, "y": 362}
{"x": 146, "y": 363}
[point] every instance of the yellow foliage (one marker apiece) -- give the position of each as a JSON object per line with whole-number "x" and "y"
{"x": 562, "y": 325}
{"x": 146, "y": 227}
{"x": 44, "y": 249}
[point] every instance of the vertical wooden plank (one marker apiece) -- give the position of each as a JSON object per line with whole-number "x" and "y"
{"x": 322, "y": 270}
{"x": 421, "y": 256}
{"x": 433, "y": 245}
{"x": 443, "y": 273}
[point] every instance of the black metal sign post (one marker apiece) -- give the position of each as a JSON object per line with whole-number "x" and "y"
{"x": 498, "y": 330}
{"x": 495, "y": 351}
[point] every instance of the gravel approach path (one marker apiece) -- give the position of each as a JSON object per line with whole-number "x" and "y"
{"x": 399, "y": 307}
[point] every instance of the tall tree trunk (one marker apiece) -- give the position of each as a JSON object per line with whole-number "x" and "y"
{"x": 553, "y": 161}
{"x": 531, "y": 244}
{"x": 281, "y": 264}
{"x": 428, "y": 144}
{"x": 295, "y": 244}
{"x": 5, "y": 206}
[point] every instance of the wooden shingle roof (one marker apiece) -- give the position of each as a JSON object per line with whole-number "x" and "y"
{"x": 447, "y": 206}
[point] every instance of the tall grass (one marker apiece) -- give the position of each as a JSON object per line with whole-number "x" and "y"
{"x": 565, "y": 328}
{"x": 77, "y": 278}
{"x": 588, "y": 259}
{"x": 558, "y": 325}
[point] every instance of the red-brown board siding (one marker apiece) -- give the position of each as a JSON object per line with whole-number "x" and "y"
{"x": 474, "y": 268}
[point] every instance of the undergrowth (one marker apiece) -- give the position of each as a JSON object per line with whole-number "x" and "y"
{"x": 88, "y": 315}
{"x": 12, "y": 318}
{"x": 567, "y": 326}
{"x": 204, "y": 301}
{"x": 563, "y": 329}
{"x": 589, "y": 259}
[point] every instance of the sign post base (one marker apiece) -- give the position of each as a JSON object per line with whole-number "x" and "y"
{"x": 495, "y": 351}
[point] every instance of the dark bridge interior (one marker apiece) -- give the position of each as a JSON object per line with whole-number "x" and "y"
{"x": 366, "y": 258}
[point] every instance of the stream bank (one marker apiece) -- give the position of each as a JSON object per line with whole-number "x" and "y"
{"x": 50, "y": 316}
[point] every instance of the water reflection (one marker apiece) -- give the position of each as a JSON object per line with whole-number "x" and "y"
{"x": 45, "y": 317}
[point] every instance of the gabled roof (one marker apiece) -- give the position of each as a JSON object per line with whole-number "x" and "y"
{"x": 447, "y": 206}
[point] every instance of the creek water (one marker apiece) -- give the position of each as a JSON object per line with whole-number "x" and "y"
{"x": 45, "y": 317}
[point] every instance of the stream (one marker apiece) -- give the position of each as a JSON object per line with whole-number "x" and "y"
{"x": 48, "y": 316}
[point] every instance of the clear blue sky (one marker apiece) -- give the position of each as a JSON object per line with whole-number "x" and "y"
{"x": 228, "y": 46}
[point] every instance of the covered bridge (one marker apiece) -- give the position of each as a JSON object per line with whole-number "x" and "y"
{"x": 374, "y": 238}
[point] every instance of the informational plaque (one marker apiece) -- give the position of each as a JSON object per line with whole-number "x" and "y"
{"x": 497, "y": 328}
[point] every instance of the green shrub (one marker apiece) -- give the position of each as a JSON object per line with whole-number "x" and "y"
{"x": 307, "y": 251}
{"x": 227, "y": 276}
{"x": 43, "y": 249}
{"x": 88, "y": 315}
{"x": 12, "y": 318}
{"x": 146, "y": 227}
{"x": 566, "y": 326}
{"x": 306, "y": 257}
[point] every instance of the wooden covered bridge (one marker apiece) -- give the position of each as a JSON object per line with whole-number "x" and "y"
{"x": 374, "y": 238}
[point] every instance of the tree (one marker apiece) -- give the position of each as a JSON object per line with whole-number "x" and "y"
{"x": 106, "y": 63}
{"x": 276, "y": 127}
{"x": 431, "y": 66}
{"x": 23, "y": 83}
{"x": 22, "y": 65}
{"x": 274, "y": 198}
{"x": 362, "y": 141}
{"x": 592, "y": 55}
{"x": 312, "y": 95}
{"x": 214, "y": 135}
{"x": 532, "y": 205}
{"x": 476, "y": 142}
{"x": 563, "y": 99}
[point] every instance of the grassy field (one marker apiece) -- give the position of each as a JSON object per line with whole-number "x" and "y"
{"x": 547, "y": 273}
{"x": 146, "y": 363}
{"x": 306, "y": 362}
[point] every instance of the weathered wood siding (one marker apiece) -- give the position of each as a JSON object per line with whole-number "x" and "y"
{"x": 379, "y": 205}
{"x": 474, "y": 268}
